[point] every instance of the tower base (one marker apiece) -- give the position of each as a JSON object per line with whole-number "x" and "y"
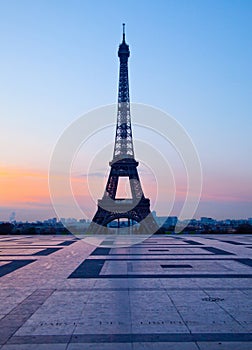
{"x": 110, "y": 210}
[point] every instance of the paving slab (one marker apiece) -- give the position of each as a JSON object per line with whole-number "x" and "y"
{"x": 168, "y": 292}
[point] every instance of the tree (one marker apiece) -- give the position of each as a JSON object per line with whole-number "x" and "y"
{"x": 6, "y": 228}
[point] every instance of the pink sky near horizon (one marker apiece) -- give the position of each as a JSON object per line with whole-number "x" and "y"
{"x": 26, "y": 192}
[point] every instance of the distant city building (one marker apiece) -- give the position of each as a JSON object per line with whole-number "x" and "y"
{"x": 166, "y": 224}
{"x": 12, "y": 217}
{"x": 52, "y": 221}
{"x": 166, "y": 221}
{"x": 207, "y": 221}
{"x": 227, "y": 222}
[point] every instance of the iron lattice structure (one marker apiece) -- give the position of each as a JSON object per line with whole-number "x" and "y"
{"x": 110, "y": 208}
{"x": 123, "y": 140}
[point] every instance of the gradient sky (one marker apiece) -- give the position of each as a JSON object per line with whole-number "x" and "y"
{"x": 191, "y": 59}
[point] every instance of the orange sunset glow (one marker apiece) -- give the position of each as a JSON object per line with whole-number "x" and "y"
{"x": 27, "y": 189}
{"x": 22, "y": 186}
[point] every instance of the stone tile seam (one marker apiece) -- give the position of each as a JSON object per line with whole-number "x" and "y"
{"x": 25, "y": 302}
{"x": 131, "y": 338}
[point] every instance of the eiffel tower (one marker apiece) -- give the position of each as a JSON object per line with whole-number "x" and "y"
{"x": 110, "y": 208}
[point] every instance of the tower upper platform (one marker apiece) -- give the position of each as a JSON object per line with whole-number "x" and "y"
{"x": 123, "y": 51}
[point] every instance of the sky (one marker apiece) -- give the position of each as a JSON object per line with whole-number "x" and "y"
{"x": 191, "y": 59}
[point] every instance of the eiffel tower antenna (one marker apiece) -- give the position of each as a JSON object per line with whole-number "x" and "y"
{"x": 123, "y": 32}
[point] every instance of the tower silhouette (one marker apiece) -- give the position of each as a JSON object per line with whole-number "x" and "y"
{"x": 110, "y": 208}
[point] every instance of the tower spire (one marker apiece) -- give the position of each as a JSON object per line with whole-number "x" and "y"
{"x": 123, "y": 32}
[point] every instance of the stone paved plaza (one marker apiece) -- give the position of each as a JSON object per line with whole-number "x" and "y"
{"x": 167, "y": 292}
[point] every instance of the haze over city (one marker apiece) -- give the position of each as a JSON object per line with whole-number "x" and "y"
{"x": 190, "y": 59}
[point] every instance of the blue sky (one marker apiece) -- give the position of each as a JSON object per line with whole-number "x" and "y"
{"x": 190, "y": 58}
